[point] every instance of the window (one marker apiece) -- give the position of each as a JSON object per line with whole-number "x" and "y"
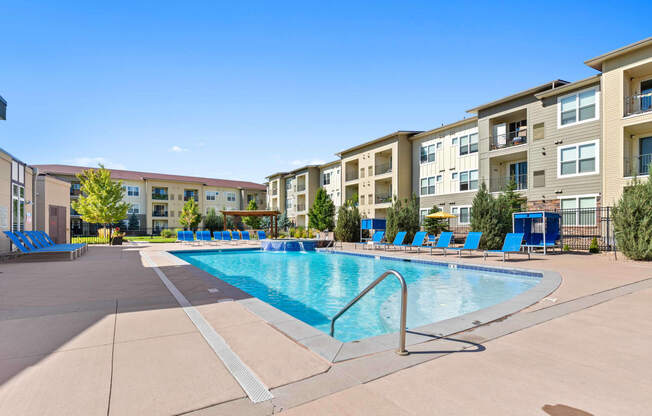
{"x": 327, "y": 178}
{"x": 469, "y": 144}
{"x": 21, "y": 173}
{"x": 370, "y": 171}
{"x": 190, "y": 193}
{"x": 454, "y": 141}
{"x": 428, "y": 186}
{"x": 251, "y": 198}
{"x": 230, "y": 196}
{"x": 362, "y": 200}
{"x": 579, "y": 210}
{"x": 578, "y": 159}
{"x": 288, "y": 185}
{"x": 18, "y": 208}
{"x": 438, "y": 145}
{"x": 454, "y": 176}
{"x": 428, "y": 153}
{"x": 134, "y": 209}
{"x": 439, "y": 178}
{"x": 288, "y": 203}
{"x": 14, "y": 170}
{"x": 211, "y": 195}
{"x": 422, "y": 215}
{"x": 131, "y": 190}
{"x": 469, "y": 180}
{"x": 463, "y": 214}
{"x": 578, "y": 107}
{"x": 464, "y": 145}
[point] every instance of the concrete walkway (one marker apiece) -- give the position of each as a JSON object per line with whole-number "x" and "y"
{"x": 103, "y": 335}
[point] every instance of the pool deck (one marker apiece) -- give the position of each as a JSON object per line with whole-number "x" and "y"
{"x": 104, "y": 335}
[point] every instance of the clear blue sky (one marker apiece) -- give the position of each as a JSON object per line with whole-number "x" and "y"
{"x": 244, "y": 89}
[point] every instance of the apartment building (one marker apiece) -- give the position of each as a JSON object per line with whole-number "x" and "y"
{"x": 157, "y": 199}
{"x": 376, "y": 171}
{"x": 445, "y": 168}
{"x": 626, "y": 101}
{"x": 16, "y": 197}
{"x": 276, "y": 191}
{"x": 301, "y": 187}
{"x": 330, "y": 178}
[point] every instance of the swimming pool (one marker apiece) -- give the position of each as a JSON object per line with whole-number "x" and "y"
{"x": 314, "y": 286}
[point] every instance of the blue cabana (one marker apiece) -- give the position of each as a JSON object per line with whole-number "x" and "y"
{"x": 541, "y": 229}
{"x": 372, "y": 224}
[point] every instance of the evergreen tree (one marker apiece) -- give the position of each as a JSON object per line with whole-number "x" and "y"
{"x": 283, "y": 221}
{"x": 190, "y": 216}
{"x": 253, "y": 222}
{"x": 434, "y": 225}
{"x": 402, "y": 216}
{"x": 322, "y": 213}
{"x": 513, "y": 200}
{"x": 212, "y": 221}
{"x": 134, "y": 224}
{"x": 348, "y": 223}
{"x": 487, "y": 217}
{"x": 633, "y": 220}
{"x": 100, "y": 201}
{"x": 265, "y": 223}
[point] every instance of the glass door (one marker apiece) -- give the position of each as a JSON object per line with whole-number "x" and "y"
{"x": 646, "y": 95}
{"x": 518, "y": 174}
{"x": 645, "y": 155}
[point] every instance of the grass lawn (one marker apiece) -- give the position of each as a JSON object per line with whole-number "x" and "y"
{"x": 154, "y": 239}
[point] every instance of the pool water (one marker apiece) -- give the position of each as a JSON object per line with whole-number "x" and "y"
{"x": 314, "y": 286}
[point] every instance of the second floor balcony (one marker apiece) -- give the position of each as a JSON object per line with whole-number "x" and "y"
{"x": 301, "y": 187}
{"x": 638, "y": 104}
{"x": 637, "y": 166}
{"x": 300, "y": 207}
{"x": 383, "y": 168}
{"x": 160, "y": 194}
{"x": 191, "y": 194}
{"x": 505, "y": 140}
{"x": 500, "y": 183}
{"x": 158, "y": 213}
{"x": 274, "y": 192}
{"x": 383, "y": 198}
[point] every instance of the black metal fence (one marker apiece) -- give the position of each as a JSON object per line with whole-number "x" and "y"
{"x": 581, "y": 225}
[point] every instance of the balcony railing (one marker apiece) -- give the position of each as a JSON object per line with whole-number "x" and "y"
{"x": 274, "y": 192}
{"x": 383, "y": 198}
{"x": 301, "y": 207}
{"x": 499, "y": 184}
{"x": 188, "y": 197}
{"x": 638, "y": 166}
{"x": 639, "y": 103}
{"x": 502, "y": 141}
{"x": 159, "y": 214}
{"x": 301, "y": 188}
{"x": 75, "y": 192}
{"x": 383, "y": 168}
{"x": 160, "y": 196}
{"x": 351, "y": 176}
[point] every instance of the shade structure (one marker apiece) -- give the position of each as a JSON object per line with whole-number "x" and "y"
{"x": 441, "y": 215}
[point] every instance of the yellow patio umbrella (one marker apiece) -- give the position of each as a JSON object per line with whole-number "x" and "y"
{"x": 441, "y": 215}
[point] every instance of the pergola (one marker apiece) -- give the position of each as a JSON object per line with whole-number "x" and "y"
{"x": 256, "y": 213}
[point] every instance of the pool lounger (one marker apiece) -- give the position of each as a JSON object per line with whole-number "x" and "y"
{"x": 40, "y": 239}
{"x": 417, "y": 241}
{"x": 443, "y": 242}
{"x": 512, "y": 244}
{"x": 471, "y": 243}
{"x": 29, "y": 252}
{"x": 262, "y": 235}
{"x": 376, "y": 239}
{"x": 398, "y": 241}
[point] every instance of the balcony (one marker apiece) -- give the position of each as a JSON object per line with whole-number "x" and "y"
{"x": 301, "y": 187}
{"x": 383, "y": 198}
{"x": 160, "y": 195}
{"x": 188, "y": 195}
{"x": 383, "y": 168}
{"x": 499, "y": 184}
{"x": 638, "y": 166}
{"x": 506, "y": 140}
{"x": 351, "y": 176}
{"x": 301, "y": 207}
{"x": 274, "y": 192}
{"x": 638, "y": 104}
{"x": 75, "y": 191}
{"x": 159, "y": 213}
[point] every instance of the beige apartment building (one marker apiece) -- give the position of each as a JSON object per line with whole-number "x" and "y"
{"x": 301, "y": 187}
{"x": 157, "y": 199}
{"x": 330, "y": 178}
{"x": 445, "y": 168}
{"x": 377, "y": 171}
{"x": 626, "y": 82}
{"x": 16, "y": 197}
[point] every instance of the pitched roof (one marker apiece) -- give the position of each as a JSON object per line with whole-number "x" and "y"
{"x": 596, "y": 63}
{"x": 473, "y": 119}
{"x": 548, "y": 85}
{"x": 137, "y": 176}
{"x": 407, "y": 133}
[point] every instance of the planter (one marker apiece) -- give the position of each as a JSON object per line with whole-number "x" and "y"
{"x": 116, "y": 241}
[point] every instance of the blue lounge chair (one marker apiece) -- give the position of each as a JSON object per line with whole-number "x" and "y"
{"x": 181, "y": 236}
{"x": 27, "y": 243}
{"x": 26, "y": 247}
{"x": 204, "y": 236}
{"x": 189, "y": 236}
{"x": 398, "y": 241}
{"x": 443, "y": 242}
{"x": 245, "y": 236}
{"x": 512, "y": 244}
{"x": 471, "y": 243}
{"x": 50, "y": 243}
{"x": 262, "y": 235}
{"x": 235, "y": 236}
{"x": 217, "y": 235}
{"x": 226, "y": 236}
{"x": 417, "y": 241}
{"x": 38, "y": 241}
{"x": 376, "y": 239}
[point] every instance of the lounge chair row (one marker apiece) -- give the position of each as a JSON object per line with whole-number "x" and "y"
{"x": 39, "y": 246}
{"x": 512, "y": 243}
{"x": 228, "y": 236}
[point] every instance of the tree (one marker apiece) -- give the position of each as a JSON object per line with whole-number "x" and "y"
{"x": 348, "y": 223}
{"x": 253, "y": 222}
{"x": 100, "y": 201}
{"x": 486, "y": 218}
{"x": 322, "y": 213}
{"x": 402, "y": 216}
{"x": 134, "y": 224}
{"x": 265, "y": 223}
{"x": 513, "y": 200}
{"x": 190, "y": 216}
{"x": 283, "y": 221}
{"x": 212, "y": 221}
{"x": 435, "y": 225}
{"x": 633, "y": 220}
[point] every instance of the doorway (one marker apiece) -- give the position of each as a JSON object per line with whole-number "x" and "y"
{"x": 58, "y": 223}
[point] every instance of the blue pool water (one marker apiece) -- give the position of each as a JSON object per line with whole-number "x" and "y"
{"x": 314, "y": 286}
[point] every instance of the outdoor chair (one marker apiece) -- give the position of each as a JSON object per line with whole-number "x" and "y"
{"x": 443, "y": 242}
{"x": 398, "y": 241}
{"x": 512, "y": 244}
{"x": 471, "y": 243}
{"x": 262, "y": 235}
{"x": 417, "y": 241}
{"x": 376, "y": 239}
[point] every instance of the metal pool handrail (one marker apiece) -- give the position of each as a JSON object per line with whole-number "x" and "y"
{"x": 401, "y": 336}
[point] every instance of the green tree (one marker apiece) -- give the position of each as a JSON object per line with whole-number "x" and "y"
{"x": 511, "y": 199}
{"x": 265, "y": 223}
{"x": 212, "y": 221}
{"x": 100, "y": 201}
{"x": 403, "y": 215}
{"x": 348, "y": 223}
{"x": 190, "y": 216}
{"x": 486, "y": 217}
{"x": 633, "y": 220}
{"x": 253, "y": 222}
{"x": 435, "y": 225}
{"x": 134, "y": 224}
{"x": 322, "y": 213}
{"x": 283, "y": 221}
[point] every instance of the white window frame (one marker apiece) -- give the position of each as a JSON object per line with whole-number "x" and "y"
{"x": 577, "y": 164}
{"x": 231, "y": 197}
{"x": 327, "y": 178}
{"x": 456, "y": 210}
{"x": 211, "y": 195}
{"x": 422, "y": 214}
{"x": 576, "y": 94}
{"x": 132, "y": 211}
{"x": 434, "y": 186}
{"x": 131, "y": 188}
{"x": 468, "y": 173}
{"x": 431, "y": 150}
{"x": 577, "y": 217}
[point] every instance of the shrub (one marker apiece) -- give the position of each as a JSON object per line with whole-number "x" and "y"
{"x": 283, "y": 221}
{"x": 212, "y": 221}
{"x": 594, "y": 247}
{"x": 433, "y": 225}
{"x": 253, "y": 222}
{"x": 167, "y": 233}
{"x": 348, "y": 223}
{"x": 190, "y": 216}
{"x": 566, "y": 248}
{"x": 322, "y": 213}
{"x": 493, "y": 216}
{"x": 402, "y": 216}
{"x": 633, "y": 220}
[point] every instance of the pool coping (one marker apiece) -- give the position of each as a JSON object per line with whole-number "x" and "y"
{"x": 335, "y": 351}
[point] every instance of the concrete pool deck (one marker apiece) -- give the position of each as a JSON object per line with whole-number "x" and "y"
{"x": 103, "y": 335}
